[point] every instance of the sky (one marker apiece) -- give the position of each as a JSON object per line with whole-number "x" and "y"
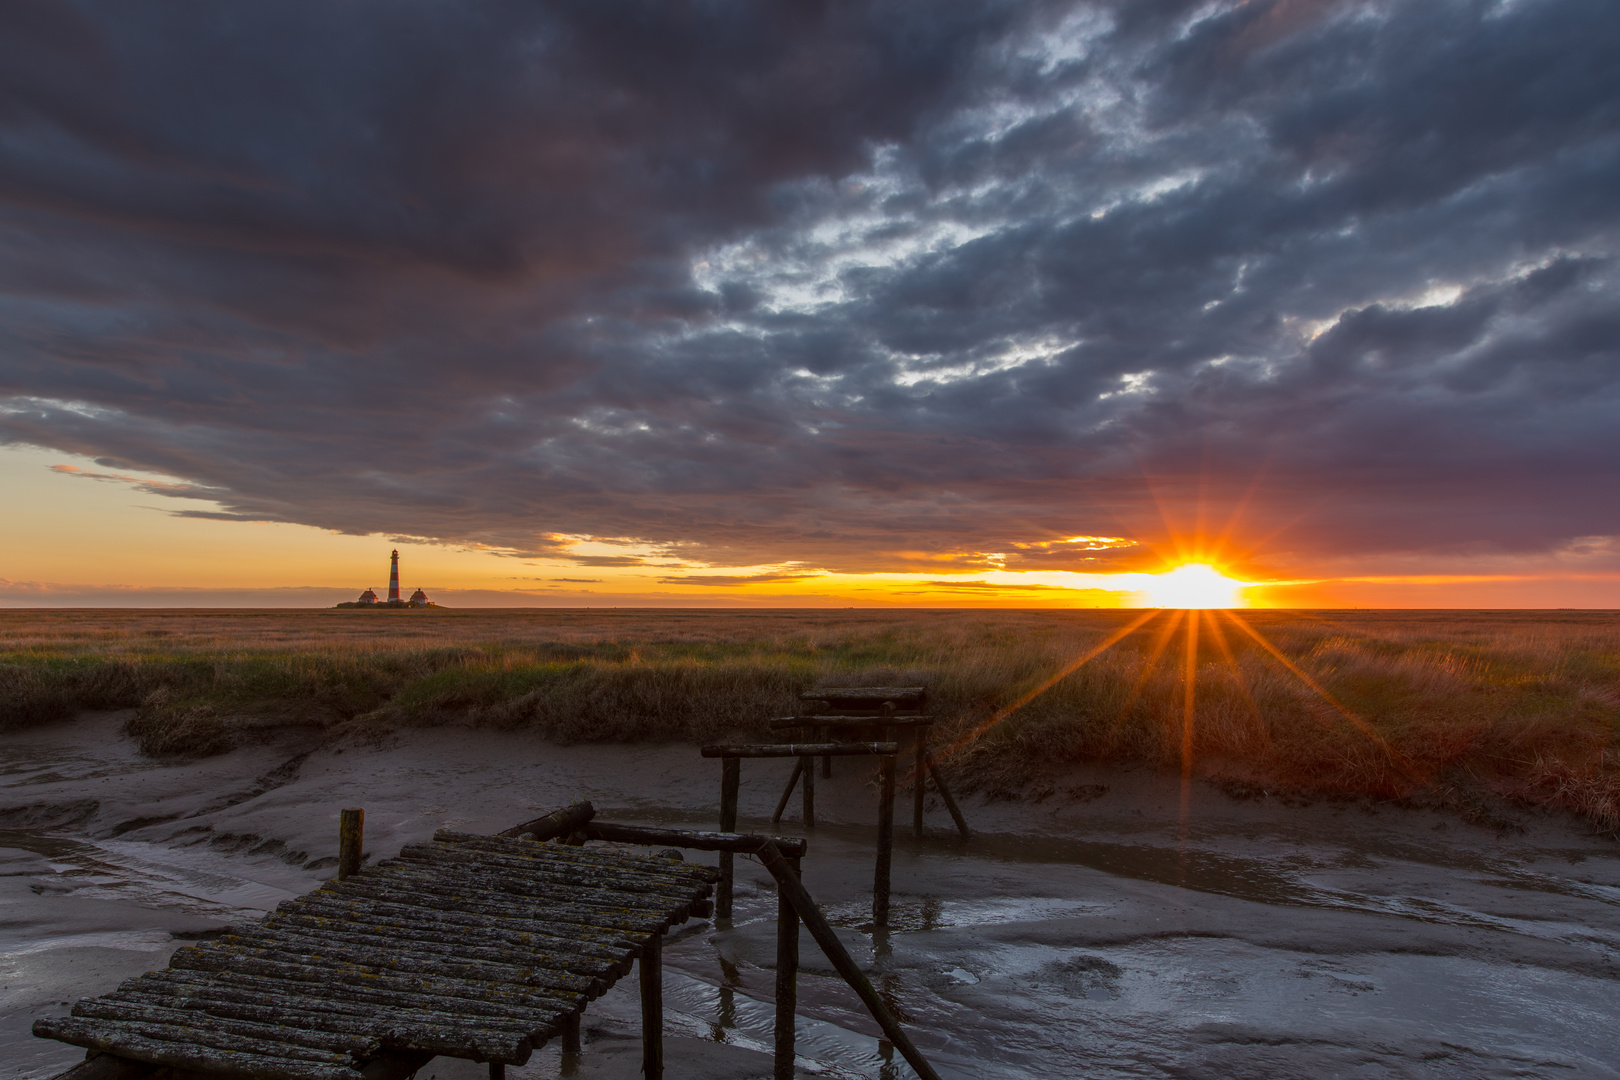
{"x": 597, "y": 302}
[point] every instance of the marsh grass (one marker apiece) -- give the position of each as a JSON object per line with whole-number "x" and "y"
{"x": 1424, "y": 705}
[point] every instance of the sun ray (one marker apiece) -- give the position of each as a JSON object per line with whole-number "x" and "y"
{"x": 1189, "y": 701}
{"x": 1166, "y": 632}
{"x": 978, "y": 730}
{"x": 1367, "y": 729}
{"x": 1221, "y": 643}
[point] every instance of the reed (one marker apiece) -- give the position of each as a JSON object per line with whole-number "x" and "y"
{"x": 1385, "y": 704}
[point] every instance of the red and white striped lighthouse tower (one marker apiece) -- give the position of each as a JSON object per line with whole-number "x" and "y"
{"x": 393, "y": 579}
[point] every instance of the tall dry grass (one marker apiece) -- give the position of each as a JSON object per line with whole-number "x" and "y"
{"x": 1388, "y": 704}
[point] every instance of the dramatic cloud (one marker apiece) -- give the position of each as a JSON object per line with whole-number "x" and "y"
{"x": 920, "y": 287}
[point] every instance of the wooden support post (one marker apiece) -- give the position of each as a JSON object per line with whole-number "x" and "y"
{"x": 945, "y": 793}
{"x": 885, "y": 845}
{"x": 730, "y": 780}
{"x": 841, "y": 961}
{"x": 807, "y": 770}
{"x": 652, "y": 1008}
{"x": 787, "y": 792}
{"x": 787, "y": 975}
{"x": 825, "y": 735}
{"x": 570, "y": 1034}
{"x": 351, "y": 837}
{"x": 497, "y": 1071}
{"x": 919, "y": 779}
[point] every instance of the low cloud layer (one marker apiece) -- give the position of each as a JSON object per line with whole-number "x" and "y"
{"x": 893, "y": 286}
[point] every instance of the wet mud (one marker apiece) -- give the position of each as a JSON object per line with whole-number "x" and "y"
{"x": 1126, "y": 929}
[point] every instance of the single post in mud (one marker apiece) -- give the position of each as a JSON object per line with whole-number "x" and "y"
{"x": 919, "y": 778}
{"x": 787, "y": 973}
{"x": 497, "y": 1071}
{"x": 807, "y": 769}
{"x": 351, "y": 837}
{"x": 570, "y": 1034}
{"x": 885, "y": 845}
{"x": 730, "y": 780}
{"x": 652, "y": 1008}
{"x": 825, "y": 735}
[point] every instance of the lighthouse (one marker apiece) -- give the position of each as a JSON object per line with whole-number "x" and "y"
{"x": 393, "y": 578}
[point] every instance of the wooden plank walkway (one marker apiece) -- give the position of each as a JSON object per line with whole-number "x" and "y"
{"x": 476, "y": 947}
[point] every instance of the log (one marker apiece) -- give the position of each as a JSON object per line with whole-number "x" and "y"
{"x": 537, "y": 998}
{"x": 652, "y": 1010}
{"x": 351, "y": 837}
{"x": 885, "y": 846}
{"x": 412, "y": 963}
{"x": 901, "y": 695}
{"x": 488, "y": 1006}
{"x": 787, "y": 792}
{"x": 450, "y": 899}
{"x": 562, "y": 958}
{"x": 787, "y": 974}
{"x": 561, "y": 855}
{"x": 730, "y": 779}
{"x": 395, "y": 1029}
{"x": 774, "y": 861}
{"x": 294, "y": 937}
{"x": 195, "y": 1047}
{"x": 745, "y": 843}
{"x": 559, "y": 822}
{"x": 584, "y": 940}
{"x": 574, "y": 872}
{"x": 777, "y": 750}
{"x": 945, "y": 794}
{"x": 578, "y": 890}
{"x": 782, "y": 723}
{"x": 360, "y": 1046}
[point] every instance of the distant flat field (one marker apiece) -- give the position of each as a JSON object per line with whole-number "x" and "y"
{"x": 1449, "y": 705}
{"x": 272, "y": 628}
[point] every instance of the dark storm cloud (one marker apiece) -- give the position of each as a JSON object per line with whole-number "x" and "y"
{"x": 888, "y": 286}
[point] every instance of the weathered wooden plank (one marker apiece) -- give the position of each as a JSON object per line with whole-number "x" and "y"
{"x": 626, "y": 861}
{"x": 490, "y": 1004}
{"x": 282, "y": 933}
{"x": 781, "y": 750}
{"x": 559, "y": 822}
{"x": 89, "y": 1033}
{"x": 358, "y": 1045}
{"x": 388, "y": 1028}
{"x": 355, "y": 975}
{"x": 781, "y": 723}
{"x": 113, "y": 1039}
{"x": 617, "y": 878}
{"x": 588, "y": 940}
{"x": 456, "y": 900}
{"x": 506, "y": 944}
{"x": 578, "y": 885}
{"x": 315, "y": 951}
{"x": 746, "y": 843}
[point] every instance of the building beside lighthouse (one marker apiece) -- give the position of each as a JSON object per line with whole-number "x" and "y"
{"x": 368, "y": 599}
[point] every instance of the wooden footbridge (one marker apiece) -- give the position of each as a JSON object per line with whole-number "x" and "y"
{"x": 474, "y": 947}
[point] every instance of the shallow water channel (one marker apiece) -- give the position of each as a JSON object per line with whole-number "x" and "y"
{"x": 1111, "y": 932}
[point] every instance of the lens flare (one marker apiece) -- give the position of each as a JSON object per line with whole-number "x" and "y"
{"x": 1193, "y": 585}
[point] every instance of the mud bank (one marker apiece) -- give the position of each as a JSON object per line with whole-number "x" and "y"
{"x": 1118, "y": 929}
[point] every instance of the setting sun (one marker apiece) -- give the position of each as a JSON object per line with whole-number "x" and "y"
{"x": 1193, "y": 585}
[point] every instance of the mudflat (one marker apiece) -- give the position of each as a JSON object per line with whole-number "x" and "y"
{"x": 1123, "y": 925}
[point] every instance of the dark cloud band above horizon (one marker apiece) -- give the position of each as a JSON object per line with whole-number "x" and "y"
{"x": 842, "y": 286}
